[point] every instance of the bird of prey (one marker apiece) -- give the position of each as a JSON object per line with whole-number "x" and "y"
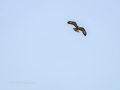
{"x": 77, "y": 27}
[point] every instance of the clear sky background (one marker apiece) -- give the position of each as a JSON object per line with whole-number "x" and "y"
{"x": 40, "y": 51}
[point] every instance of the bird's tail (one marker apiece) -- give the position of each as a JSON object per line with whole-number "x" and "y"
{"x": 76, "y": 30}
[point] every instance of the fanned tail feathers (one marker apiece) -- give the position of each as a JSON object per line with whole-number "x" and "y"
{"x": 76, "y": 30}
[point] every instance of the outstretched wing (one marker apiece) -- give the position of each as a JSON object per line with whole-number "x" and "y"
{"x": 83, "y": 30}
{"x": 73, "y": 23}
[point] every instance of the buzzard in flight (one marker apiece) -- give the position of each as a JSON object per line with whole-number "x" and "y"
{"x": 77, "y": 27}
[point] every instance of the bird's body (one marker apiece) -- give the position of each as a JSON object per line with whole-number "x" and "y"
{"x": 77, "y": 27}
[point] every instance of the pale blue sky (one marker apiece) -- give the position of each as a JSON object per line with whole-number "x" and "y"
{"x": 37, "y": 45}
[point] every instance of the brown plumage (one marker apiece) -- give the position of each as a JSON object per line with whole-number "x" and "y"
{"x": 77, "y": 27}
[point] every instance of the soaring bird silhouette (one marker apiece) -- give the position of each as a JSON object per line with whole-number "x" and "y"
{"x": 77, "y": 27}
